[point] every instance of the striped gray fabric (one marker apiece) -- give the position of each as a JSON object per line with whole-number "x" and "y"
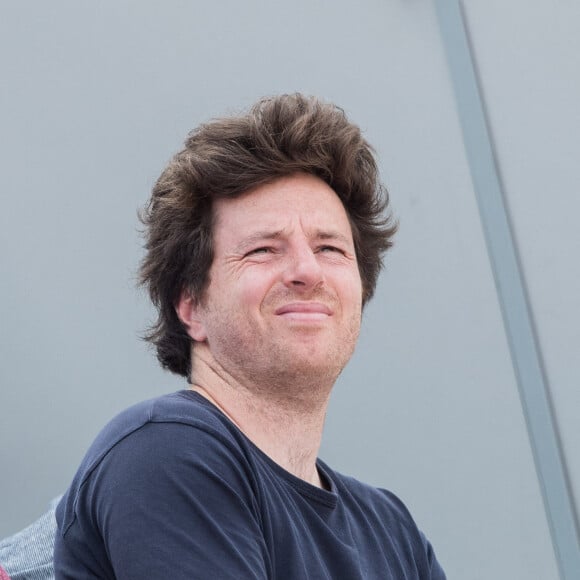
{"x": 27, "y": 555}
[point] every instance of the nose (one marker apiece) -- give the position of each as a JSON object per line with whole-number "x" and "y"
{"x": 303, "y": 268}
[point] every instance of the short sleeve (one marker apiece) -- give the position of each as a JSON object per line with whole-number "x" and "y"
{"x": 173, "y": 501}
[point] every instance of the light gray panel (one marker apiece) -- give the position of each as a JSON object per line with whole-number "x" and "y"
{"x": 532, "y": 87}
{"x": 100, "y": 96}
{"x": 511, "y": 289}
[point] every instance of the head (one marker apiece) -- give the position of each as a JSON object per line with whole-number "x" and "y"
{"x": 279, "y": 136}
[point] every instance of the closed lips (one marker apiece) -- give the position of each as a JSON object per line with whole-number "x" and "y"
{"x": 304, "y": 309}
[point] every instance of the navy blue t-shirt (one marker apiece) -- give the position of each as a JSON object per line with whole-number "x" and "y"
{"x": 172, "y": 490}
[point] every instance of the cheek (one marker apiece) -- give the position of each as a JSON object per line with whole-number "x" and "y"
{"x": 254, "y": 288}
{"x": 353, "y": 288}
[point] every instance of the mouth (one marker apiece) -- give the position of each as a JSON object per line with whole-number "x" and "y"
{"x": 304, "y": 311}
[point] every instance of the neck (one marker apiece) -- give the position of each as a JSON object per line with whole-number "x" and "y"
{"x": 283, "y": 421}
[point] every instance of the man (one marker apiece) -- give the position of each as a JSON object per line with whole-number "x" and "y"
{"x": 264, "y": 241}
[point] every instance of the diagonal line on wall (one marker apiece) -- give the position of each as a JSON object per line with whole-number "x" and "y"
{"x": 511, "y": 290}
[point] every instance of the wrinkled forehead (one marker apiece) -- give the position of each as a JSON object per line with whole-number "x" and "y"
{"x": 280, "y": 207}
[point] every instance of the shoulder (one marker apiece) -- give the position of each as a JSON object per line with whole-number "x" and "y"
{"x": 389, "y": 518}
{"x": 154, "y": 448}
{"x": 181, "y": 412}
{"x": 159, "y": 490}
{"x": 182, "y": 407}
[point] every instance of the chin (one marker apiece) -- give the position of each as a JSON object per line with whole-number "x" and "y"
{"x": 324, "y": 367}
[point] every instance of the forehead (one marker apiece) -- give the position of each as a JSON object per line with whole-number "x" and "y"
{"x": 300, "y": 200}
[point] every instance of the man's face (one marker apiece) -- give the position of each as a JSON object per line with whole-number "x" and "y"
{"x": 284, "y": 296}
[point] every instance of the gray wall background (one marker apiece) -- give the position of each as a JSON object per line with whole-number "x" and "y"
{"x": 97, "y": 96}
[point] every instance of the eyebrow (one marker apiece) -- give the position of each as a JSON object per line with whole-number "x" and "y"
{"x": 260, "y": 236}
{"x": 332, "y": 235}
{"x": 264, "y": 235}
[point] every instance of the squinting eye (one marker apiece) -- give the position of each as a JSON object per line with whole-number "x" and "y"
{"x": 263, "y": 250}
{"x": 330, "y": 249}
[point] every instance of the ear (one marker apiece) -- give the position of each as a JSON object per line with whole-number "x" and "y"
{"x": 189, "y": 312}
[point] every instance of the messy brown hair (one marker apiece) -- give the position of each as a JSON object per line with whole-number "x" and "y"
{"x": 226, "y": 157}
